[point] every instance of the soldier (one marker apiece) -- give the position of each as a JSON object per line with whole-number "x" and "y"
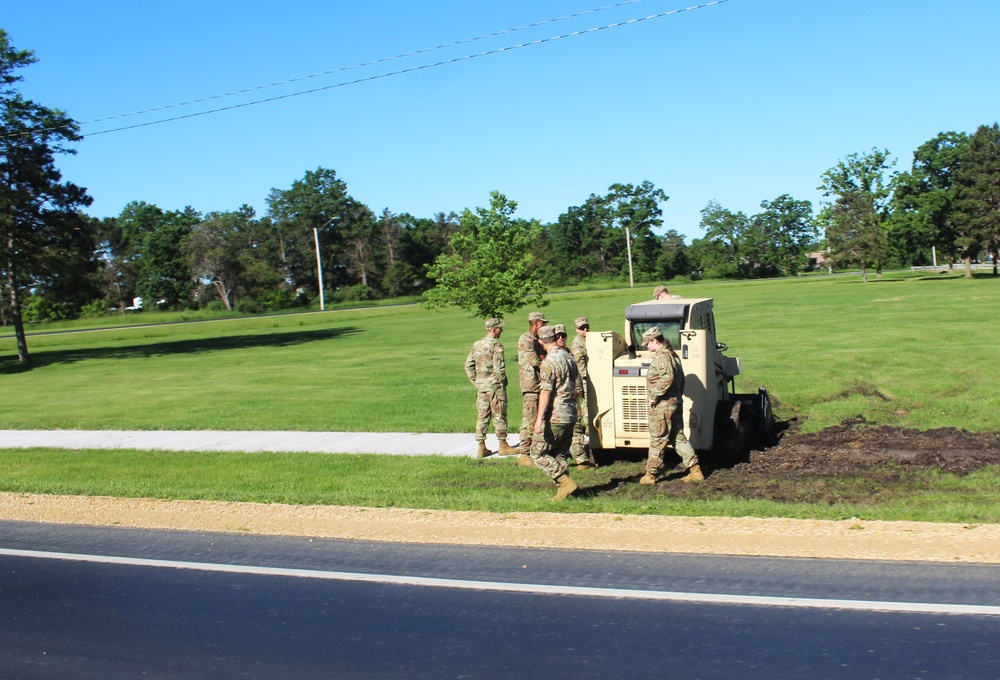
{"x": 556, "y": 417}
{"x": 661, "y": 293}
{"x": 581, "y": 456}
{"x": 665, "y": 389}
{"x": 561, "y": 335}
{"x": 487, "y": 370}
{"x": 580, "y": 451}
{"x": 529, "y": 358}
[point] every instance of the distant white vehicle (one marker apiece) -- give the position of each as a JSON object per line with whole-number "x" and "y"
{"x": 135, "y": 306}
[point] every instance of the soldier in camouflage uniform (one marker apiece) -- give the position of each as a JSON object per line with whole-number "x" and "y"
{"x": 580, "y": 451}
{"x": 580, "y": 455}
{"x": 487, "y": 370}
{"x": 529, "y": 358}
{"x": 553, "y": 430}
{"x": 665, "y": 389}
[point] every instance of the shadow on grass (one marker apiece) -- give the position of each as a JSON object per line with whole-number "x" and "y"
{"x": 9, "y": 365}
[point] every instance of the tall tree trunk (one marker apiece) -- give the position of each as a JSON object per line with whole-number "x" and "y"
{"x": 15, "y": 309}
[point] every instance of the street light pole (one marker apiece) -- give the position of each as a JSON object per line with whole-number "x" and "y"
{"x": 319, "y": 268}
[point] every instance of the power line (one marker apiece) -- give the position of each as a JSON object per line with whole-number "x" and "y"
{"x": 363, "y": 64}
{"x": 413, "y": 69}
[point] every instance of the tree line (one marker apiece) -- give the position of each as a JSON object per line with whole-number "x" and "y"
{"x": 61, "y": 263}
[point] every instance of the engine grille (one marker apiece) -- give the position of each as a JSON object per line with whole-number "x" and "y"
{"x": 635, "y": 409}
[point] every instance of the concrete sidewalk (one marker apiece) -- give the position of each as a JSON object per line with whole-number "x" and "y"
{"x": 394, "y": 443}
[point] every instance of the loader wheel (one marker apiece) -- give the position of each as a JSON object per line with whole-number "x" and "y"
{"x": 735, "y": 428}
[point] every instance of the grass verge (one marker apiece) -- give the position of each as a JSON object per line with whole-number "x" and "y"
{"x": 488, "y": 485}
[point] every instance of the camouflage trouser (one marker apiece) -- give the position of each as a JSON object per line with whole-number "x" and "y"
{"x": 491, "y": 405}
{"x": 666, "y": 428}
{"x": 529, "y": 411}
{"x": 579, "y": 450}
{"x": 549, "y": 448}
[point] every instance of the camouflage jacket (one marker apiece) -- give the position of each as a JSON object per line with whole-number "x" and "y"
{"x": 558, "y": 376}
{"x": 579, "y": 350}
{"x": 529, "y": 352}
{"x": 665, "y": 379}
{"x": 485, "y": 365}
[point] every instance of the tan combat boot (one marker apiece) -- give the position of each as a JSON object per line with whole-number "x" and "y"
{"x": 483, "y": 451}
{"x": 506, "y": 449}
{"x": 587, "y": 465}
{"x": 524, "y": 460}
{"x": 648, "y": 479}
{"x": 694, "y": 474}
{"x": 565, "y": 487}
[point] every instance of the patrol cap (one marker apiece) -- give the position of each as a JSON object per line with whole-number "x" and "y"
{"x": 560, "y": 328}
{"x": 658, "y": 290}
{"x": 537, "y": 316}
{"x": 653, "y": 332}
{"x": 494, "y": 323}
{"x": 547, "y": 333}
{"x": 581, "y": 322}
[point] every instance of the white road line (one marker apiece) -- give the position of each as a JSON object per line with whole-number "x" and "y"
{"x": 530, "y": 588}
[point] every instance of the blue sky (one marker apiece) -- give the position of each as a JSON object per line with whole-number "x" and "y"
{"x": 739, "y": 102}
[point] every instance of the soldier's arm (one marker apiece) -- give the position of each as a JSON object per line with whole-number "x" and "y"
{"x": 527, "y": 352}
{"x": 470, "y": 365}
{"x": 500, "y": 364}
{"x": 660, "y": 376}
{"x": 543, "y": 406}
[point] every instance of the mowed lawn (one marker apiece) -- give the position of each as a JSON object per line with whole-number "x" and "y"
{"x": 906, "y": 350}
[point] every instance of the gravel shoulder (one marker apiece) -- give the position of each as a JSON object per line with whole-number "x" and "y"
{"x": 845, "y": 539}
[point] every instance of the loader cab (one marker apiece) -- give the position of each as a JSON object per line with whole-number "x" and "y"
{"x": 672, "y": 317}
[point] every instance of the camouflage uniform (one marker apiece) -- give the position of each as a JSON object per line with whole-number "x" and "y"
{"x": 487, "y": 370}
{"x": 579, "y": 450}
{"x": 665, "y": 386}
{"x": 529, "y": 352}
{"x": 557, "y": 376}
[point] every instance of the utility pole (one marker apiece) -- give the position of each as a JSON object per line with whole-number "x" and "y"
{"x": 319, "y": 268}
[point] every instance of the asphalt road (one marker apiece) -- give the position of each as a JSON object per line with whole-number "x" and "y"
{"x": 167, "y": 604}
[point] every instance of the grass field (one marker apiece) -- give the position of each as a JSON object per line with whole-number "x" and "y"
{"x": 906, "y": 350}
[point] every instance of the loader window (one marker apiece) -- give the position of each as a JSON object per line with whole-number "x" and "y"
{"x": 671, "y": 331}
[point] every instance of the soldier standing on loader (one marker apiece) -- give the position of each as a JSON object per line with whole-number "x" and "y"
{"x": 580, "y": 451}
{"x": 553, "y": 427}
{"x": 664, "y": 388}
{"x": 487, "y": 370}
{"x": 529, "y": 358}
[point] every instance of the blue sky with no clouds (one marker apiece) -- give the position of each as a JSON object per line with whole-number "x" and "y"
{"x": 738, "y": 102}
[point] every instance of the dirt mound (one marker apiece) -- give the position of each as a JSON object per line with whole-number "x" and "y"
{"x": 848, "y": 464}
{"x": 849, "y": 450}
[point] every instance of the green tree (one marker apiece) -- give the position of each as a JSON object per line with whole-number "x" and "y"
{"x": 579, "y": 244}
{"x": 674, "y": 259}
{"x": 923, "y": 201}
{"x": 855, "y": 219}
{"x": 156, "y": 245}
{"x": 319, "y": 205}
{"x": 635, "y": 212}
{"x": 228, "y": 254}
{"x": 779, "y": 237}
{"x": 40, "y": 222}
{"x": 489, "y": 273}
{"x": 977, "y": 196}
{"x": 721, "y": 255}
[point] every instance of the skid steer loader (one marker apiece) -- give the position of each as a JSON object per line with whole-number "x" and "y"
{"x": 719, "y": 423}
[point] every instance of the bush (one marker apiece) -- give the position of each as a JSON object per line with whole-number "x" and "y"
{"x": 39, "y": 309}
{"x": 358, "y": 293}
{"x": 94, "y": 310}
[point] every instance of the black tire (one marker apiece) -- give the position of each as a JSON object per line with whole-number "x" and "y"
{"x": 726, "y": 445}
